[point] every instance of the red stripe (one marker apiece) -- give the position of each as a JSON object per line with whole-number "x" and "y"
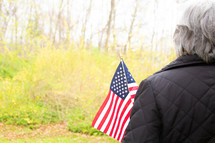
{"x": 101, "y": 109}
{"x": 109, "y": 123}
{"x": 105, "y": 116}
{"x": 117, "y": 114}
{"x": 132, "y": 96}
{"x": 133, "y": 88}
{"x": 123, "y": 124}
{"x": 123, "y": 111}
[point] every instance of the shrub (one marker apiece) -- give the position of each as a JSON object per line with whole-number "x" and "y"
{"x": 55, "y": 85}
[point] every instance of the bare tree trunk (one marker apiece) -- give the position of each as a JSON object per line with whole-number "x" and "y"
{"x": 86, "y": 21}
{"x": 89, "y": 44}
{"x": 10, "y": 12}
{"x": 59, "y": 27}
{"x": 154, "y": 31}
{"x": 109, "y": 24}
{"x": 68, "y": 22}
{"x": 101, "y": 38}
{"x": 113, "y": 29}
{"x": 29, "y": 21}
{"x": 155, "y": 18}
{"x": 1, "y": 1}
{"x": 16, "y": 31}
{"x": 51, "y": 15}
{"x": 4, "y": 26}
{"x": 1, "y": 45}
{"x": 57, "y": 22}
{"x": 128, "y": 43}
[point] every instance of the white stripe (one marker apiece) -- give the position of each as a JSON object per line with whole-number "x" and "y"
{"x": 133, "y": 92}
{"x": 120, "y": 111}
{"x": 103, "y": 112}
{"x": 114, "y": 117}
{"x": 109, "y": 115}
{"x": 123, "y": 117}
{"x": 124, "y": 128}
{"x": 132, "y": 84}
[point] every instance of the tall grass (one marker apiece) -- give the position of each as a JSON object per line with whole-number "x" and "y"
{"x": 69, "y": 85}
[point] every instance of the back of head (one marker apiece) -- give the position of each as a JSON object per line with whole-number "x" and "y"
{"x": 195, "y": 33}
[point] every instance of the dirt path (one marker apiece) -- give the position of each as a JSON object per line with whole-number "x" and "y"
{"x": 51, "y": 130}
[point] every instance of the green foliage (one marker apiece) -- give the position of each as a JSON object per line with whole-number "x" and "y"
{"x": 55, "y": 85}
{"x": 10, "y": 64}
{"x": 80, "y": 123}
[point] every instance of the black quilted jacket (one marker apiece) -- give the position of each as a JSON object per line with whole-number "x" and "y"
{"x": 175, "y": 105}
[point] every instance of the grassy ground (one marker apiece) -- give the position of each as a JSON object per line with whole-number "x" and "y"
{"x": 46, "y": 134}
{"x": 64, "y": 85}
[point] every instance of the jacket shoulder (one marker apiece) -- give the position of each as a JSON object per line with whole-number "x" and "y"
{"x": 174, "y": 78}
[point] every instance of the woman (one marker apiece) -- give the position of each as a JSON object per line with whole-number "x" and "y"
{"x": 177, "y": 104}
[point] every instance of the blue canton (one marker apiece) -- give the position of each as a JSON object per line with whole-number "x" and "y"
{"x": 121, "y": 78}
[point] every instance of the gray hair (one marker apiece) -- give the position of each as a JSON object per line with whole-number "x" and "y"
{"x": 195, "y": 33}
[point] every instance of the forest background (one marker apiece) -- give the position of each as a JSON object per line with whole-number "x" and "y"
{"x": 57, "y": 58}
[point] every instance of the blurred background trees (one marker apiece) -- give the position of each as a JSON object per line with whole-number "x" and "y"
{"x": 57, "y": 57}
{"x": 107, "y": 25}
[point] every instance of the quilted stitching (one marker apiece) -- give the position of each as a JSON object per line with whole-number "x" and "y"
{"x": 155, "y": 111}
{"x": 183, "y": 89}
{"x": 187, "y": 113}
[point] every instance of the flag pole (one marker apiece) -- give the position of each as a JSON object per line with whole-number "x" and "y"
{"x": 123, "y": 69}
{"x": 121, "y": 60}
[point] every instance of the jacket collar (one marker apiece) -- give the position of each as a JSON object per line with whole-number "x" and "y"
{"x": 185, "y": 60}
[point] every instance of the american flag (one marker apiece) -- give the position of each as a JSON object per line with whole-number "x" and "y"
{"x": 113, "y": 116}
